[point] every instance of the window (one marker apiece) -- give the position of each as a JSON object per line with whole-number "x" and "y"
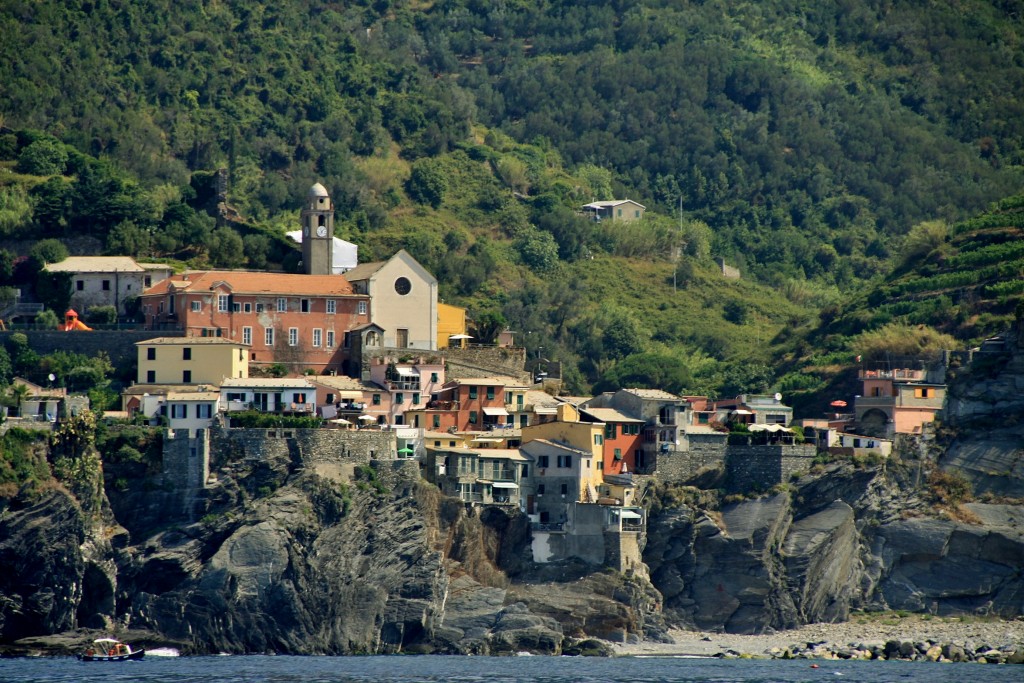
{"x": 151, "y": 377}
{"x": 247, "y": 335}
{"x": 436, "y": 421}
{"x": 179, "y": 411}
{"x": 186, "y": 376}
{"x": 235, "y": 308}
{"x": 80, "y": 285}
{"x": 540, "y": 491}
{"x": 259, "y": 308}
{"x": 298, "y": 397}
{"x": 222, "y": 303}
{"x": 147, "y": 281}
{"x": 186, "y": 354}
{"x": 361, "y": 308}
{"x": 637, "y": 213}
{"x": 330, "y": 339}
{"x": 317, "y": 336}
{"x": 399, "y": 398}
{"x": 565, "y": 489}
{"x": 618, "y": 454}
{"x": 598, "y": 440}
{"x": 472, "y": 392}
{"x": 433, "y": 377}
{"x": 268, "y": 336}
{"x": 304, "y": 305}
{"x": 150, "y": 353}
{"x": 106, "y": 285}
{"x": 472, "y": 417}
{"x": 247, "y": 307}
{"x": 204, "y": 410}
{"x": 490, "y": 393}
{"x": 403, "y": 286}
{"x": 197, "y": 306}
{"x": 542, "y": 461}
{"x": 376, "y": 399}
{"x": 331, "y": 304}
{"x": 293, "y": 336}
{"x": 609, "y": 431}
{"x": 564, "y": 461}
{"x": 924, "y": 392}
{"x": 415, "y": 399}
{"x": 282, "y": 305}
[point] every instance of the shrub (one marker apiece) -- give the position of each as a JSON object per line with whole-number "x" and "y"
{"x": 102, "y": 315}
{"x": 949, "y": 488}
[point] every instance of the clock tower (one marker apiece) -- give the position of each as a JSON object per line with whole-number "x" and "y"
{"x": 317, "y": 220}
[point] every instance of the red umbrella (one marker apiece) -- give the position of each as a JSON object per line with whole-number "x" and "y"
{"x": 838, "y": 404}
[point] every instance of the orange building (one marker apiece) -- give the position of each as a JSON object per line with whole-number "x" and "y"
{"x": 471, "y": 404}
{"x": 623, "y": 438}
{"x": 300, "y": 321}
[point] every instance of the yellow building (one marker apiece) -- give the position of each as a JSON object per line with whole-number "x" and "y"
{"x": 191, "y": 360}
{"x": 583, "y": 436}
{"x": 451, "y": 320}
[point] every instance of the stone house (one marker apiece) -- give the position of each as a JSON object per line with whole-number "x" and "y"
{"x": 108, "y": 280}
{"x": 484, "y": 476}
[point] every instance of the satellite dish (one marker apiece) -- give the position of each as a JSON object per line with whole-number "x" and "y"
{"x": 778, "y": 396}
{"x": 51, "y": 377}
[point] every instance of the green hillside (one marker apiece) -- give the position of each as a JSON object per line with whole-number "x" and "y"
{"x": 953, "y": 287}
{"x": 803, "y": 146}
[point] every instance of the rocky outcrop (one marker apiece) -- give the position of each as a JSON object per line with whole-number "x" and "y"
{"x": 984, "y": 419}
{"x": 792, "y": 559}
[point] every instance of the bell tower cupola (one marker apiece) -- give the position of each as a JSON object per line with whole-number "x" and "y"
{"x": 317, "y": 220}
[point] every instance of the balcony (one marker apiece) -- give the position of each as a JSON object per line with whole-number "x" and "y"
{"x": 403, "y": 385}
{"x": 548, "y": 526}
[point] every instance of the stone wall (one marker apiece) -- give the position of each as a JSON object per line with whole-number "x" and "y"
{"x": 304, "y": 446}
{"x": 186, "y": 467}
{"x": 481, "y": 361}
{"x": 678, "y": 466}
{"x": 761, "y": 467}
{"x": 119, "y": 344}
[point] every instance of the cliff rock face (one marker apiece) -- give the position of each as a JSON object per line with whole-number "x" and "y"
{"x": 984, "y": 413}
{"x": 798, "y": 557}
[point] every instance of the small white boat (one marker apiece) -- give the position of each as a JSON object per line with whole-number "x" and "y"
{"x": 110, "y": 650}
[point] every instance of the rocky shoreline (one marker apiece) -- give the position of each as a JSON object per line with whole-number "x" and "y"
{"x": 911, "y": 637}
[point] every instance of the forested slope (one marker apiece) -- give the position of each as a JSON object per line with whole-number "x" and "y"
{"x": 803, "y": 144}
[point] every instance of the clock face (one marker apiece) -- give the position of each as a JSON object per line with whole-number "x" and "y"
{"x": 321, "y": 231}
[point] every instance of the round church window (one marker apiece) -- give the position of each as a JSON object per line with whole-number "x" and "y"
{"x": 403, "y": 286}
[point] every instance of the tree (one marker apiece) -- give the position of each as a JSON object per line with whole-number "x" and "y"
{"x": 514, "y": 174}
{"x": 17, "y": 394}
{"x": 128, "y": 239}
{"x": 46, "y": 156}
{"x": 537, "y": 249}
{"x": 226, "y": 248}
{"x": 47, "y": 320}
{"x": 427, "y": 184}
{"x": 642, "y": 370}
{"x": 48, "y": 251}
{"x": 257, "y": 250}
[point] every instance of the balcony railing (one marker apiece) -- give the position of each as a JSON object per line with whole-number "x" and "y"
{"x": 548, "y": 526}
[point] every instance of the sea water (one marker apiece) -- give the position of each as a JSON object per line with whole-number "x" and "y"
{"x": 434, "y": 669}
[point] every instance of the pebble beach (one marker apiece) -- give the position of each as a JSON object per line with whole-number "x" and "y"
{"x": 875, "y": 631}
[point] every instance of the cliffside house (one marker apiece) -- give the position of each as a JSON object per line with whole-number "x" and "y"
{"x": 896, "y": 401}
{"x": 191, "y": 360}
{"x": 342, "y": 397}
{"x": 470, "y": 404}
{"x": 108, "y": 280}
{"x": 299, "y": 321}
{"x": 623, "y": 439}
{"x": 485, "y": 476}
{"x": 614, "y": 210}
{"x": 30, "y": 401}
{"x": 663, "y": 425}
{"x": 286, "y": 395}
{"x": 410, "y": 385}
{"x": 754, "y": 409}
{"x": 404, "y": 299}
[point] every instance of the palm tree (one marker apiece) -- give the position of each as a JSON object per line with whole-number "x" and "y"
{"x": 18, "y": 394}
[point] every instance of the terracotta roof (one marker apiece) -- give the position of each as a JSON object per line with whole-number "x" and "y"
{"x": 253, "y": 282}
{"x": 95, "y": 264}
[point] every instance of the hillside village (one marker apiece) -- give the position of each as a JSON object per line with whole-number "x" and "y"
{"x": 359, "y": 363}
